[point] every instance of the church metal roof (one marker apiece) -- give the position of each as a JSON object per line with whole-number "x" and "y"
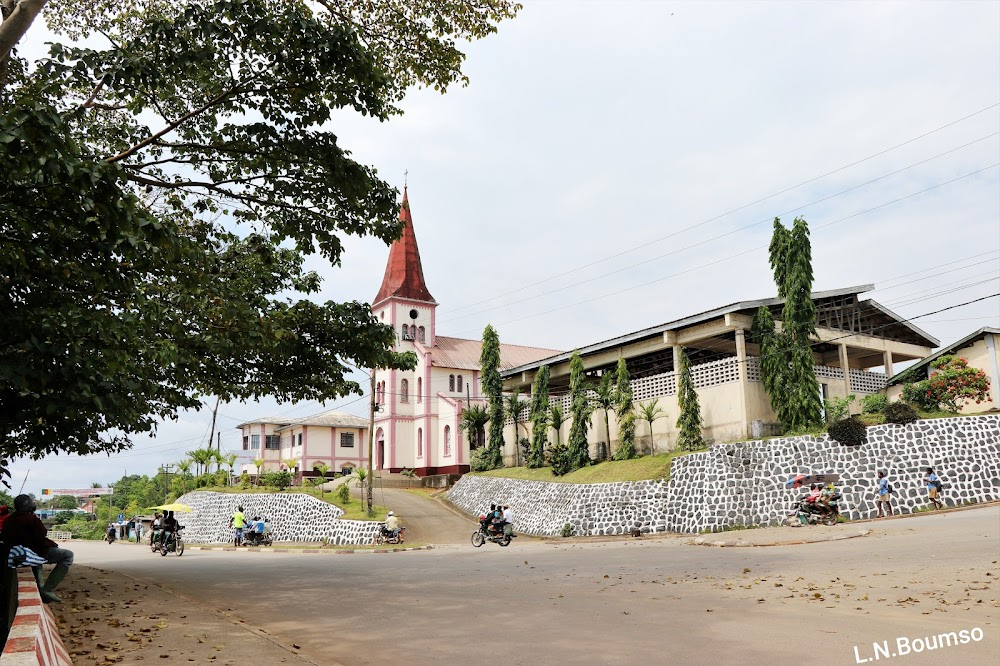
{"x": 464, "y": 354}
{"x": 404, "y": 275}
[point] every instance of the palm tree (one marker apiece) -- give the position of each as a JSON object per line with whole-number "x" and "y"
{"x": 216, "y": 457}
{"x": 322, "y": 468}
{"x": 290, "y": 463}
{"x": 258, "y": 463}
{"x": 360, "y": 477}
{"x": 649, "y": 412}
{"x": 556, "y": 420}
{"x": 201, "y": 458}
{"x": 473, "y": 423}
{"x": 183, "y": 467}
{"x": 230, "y": 460}
{"x": 513, "y": 405}
{"x": 605, "y": 398}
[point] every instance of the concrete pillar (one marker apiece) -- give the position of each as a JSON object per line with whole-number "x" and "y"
{"x": 845, "y": 364}
{"x": 677, "y": 358}
{"x": 887, "y": 362}
{"x": 741, "y": 360}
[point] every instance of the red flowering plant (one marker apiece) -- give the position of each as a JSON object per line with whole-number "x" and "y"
{"x": 952, "y": 383}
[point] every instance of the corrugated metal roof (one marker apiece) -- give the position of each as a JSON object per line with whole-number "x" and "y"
{"x": 330, "y": 419}
{"x": 464, "y": 354}
{"x": 971, "y": 338}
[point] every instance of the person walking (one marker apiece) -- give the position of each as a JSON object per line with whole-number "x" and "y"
{"x": 23, "y": 528}
{"x": 933, "y": 488}
{"x": 883, "y": 489}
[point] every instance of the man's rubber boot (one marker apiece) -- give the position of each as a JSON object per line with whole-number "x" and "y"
{"x": 55, "y": 577}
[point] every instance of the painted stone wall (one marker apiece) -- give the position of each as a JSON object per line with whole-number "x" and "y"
{"x": 292, "y": 517}
{"x": 744, "y": 483}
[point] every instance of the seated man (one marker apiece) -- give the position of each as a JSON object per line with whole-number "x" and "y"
{"x": 23, "y": 528}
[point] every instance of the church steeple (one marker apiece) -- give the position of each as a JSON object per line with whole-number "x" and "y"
{"x": 404, "y": 276}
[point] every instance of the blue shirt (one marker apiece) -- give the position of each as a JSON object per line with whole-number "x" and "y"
{"x": 931, "y": 478}
{"x": 883, "y": 486}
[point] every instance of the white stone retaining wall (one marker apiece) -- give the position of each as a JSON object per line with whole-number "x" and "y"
{"x": 291, "y": 516}
{"x": 744, "y": 483}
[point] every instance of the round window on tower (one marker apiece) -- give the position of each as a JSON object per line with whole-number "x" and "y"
{"x": 413, "y": 314}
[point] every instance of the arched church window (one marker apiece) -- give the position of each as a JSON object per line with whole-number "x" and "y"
{"x": 451, "y": 383}
{"x": 420, "y": 442}
{"x": 458, "y": 384}
{"x": 404, "y": 391}
{"x": 420, "y": 334}
{"x": 420, "y": 389}
{"x": 447, "y": 440}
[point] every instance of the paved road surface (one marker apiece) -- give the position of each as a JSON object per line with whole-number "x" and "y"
{"x": 648, "y": 601}
{"x": 427, "y": 521}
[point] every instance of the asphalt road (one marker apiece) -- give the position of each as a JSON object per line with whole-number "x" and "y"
{"x": 650, "y": 601}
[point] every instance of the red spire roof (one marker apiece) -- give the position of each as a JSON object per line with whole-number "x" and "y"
{"x": 404, "y": 277}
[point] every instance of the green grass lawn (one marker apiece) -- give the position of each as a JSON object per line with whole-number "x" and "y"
{"x": 637, "y": 469}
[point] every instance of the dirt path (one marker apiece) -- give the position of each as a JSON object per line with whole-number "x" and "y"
{"x": 110, "y": 618}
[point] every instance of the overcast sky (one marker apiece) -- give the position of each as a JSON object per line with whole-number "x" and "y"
{"x": 616, "y": 165}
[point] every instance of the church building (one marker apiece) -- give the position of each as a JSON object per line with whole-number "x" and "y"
{"x": 418, "y": 422}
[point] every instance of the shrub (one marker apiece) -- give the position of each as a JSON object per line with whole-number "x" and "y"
{"x": 480, "y": 460}
{"x": 838, "y": 408}
{"x": 244, "y": 480}
{"x": 953, "y": 382}
{"x": 901, "y": 413}
{"x": 567, "y": 530}
{"x": 343, "y": 493}
{"x": 279, "y": 480}
{"x": 560, "y": 460}
{"x": 849, "y": 431}
{"x": 874, "y": 403}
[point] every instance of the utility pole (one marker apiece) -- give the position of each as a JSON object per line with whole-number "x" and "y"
{"x": 371, "y": 444}
{"x": 167, "y": 471}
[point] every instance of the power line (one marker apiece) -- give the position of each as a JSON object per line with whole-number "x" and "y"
{"x": 743, "y": 253}
{"x": 770, "y": 196}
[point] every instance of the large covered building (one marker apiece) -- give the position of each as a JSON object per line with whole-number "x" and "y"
{"x": 857, "y": 345}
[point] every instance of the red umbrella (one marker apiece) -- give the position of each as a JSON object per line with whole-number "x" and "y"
{"x": 800, "y": 480}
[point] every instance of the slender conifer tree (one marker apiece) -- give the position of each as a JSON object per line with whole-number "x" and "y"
{"x": 489, "y": 365}
{"x": 539, "y": 417}
{"x": 625, "y": 413}
{"x": 786, "y": 357}
{"x": 580, "y": 409}
{"x": 689, "y": 423}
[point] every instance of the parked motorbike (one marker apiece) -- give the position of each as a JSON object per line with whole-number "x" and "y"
{"x": 257, "y": 539}
{"x": 174, "y": 543}
{"x": 814, "y": 513}
{"x": 385, "y": 536}
{"x": 484, "y": 534}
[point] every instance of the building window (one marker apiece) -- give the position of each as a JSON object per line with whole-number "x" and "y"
{"x": 458, "y": 384}
{"x": 272, "y": 442}
{"x": 447, "y": 440}
{"x": 420, "y": 334}
{"x": 409, "y": 332}
{"x": 420, "y": 389}
{"x": 246, "y": 442}
{"x": 404, "y": 391}
{"x": 420, "y": 442}
{"x": 347, "y": 440}
{"x": 451, "y": 383}
{"x": 254, "y": 442}
{"x": 300, "y": 439}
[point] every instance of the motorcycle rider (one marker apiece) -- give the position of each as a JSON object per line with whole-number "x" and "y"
{"x": 391, "y": 524}
{"x": 169, "y": 527}
{"x": 110, "y": 533}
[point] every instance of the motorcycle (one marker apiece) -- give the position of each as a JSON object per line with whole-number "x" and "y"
{"x": 154, "y": 540}
{"x": 484, "y": 534}
{"x": 257, "y": 539}
{"x": 386, "y": 536}
{"x": 814, "y": 513}
{"x": 109, "y": 535}
{"x": 174, "y": 543}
